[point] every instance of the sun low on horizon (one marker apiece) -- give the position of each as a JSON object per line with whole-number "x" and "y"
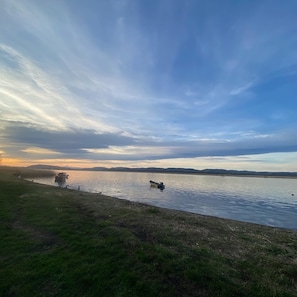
{"x": 187, "y": 84}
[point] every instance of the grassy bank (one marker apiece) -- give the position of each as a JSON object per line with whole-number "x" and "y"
{"x": 24, "y": 172}
{"x": 59, "y": 242}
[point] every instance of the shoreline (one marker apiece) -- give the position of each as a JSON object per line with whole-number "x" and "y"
{"x": 86, "y": 193}
{"x": 216, "y": 172}
{"x": 263, "y": 222}
{"x": 91, "y": 195}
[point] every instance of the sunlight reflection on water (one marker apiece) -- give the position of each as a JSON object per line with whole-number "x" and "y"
{"x": 267, "y": 201}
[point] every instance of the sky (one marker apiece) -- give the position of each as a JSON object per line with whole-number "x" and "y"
{"x": 149, "y": 83}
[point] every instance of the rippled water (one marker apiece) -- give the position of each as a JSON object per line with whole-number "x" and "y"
{"x": 266, "y": 201}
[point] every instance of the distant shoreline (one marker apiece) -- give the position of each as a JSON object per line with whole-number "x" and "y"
{"x": 216, "y": 172}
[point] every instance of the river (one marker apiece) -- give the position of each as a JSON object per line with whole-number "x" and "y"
{"x": 267, "y": 201}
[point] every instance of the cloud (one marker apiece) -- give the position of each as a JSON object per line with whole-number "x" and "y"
{"x": 77, "y": 78}
{"x": 241, "y": 89}
{"x": 130, "y": 80}
{"x": 41, "y": 151}
{"x": 29, "y": 141}
{"x": 56, "y": 140}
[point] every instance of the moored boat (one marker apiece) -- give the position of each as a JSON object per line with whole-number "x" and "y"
{"x": 61, "y": 177}
{"x": 160, "y": 185}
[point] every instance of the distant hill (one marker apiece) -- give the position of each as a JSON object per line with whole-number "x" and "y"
{"x": 47, "y": 167}
{"x": 174, "y": 170}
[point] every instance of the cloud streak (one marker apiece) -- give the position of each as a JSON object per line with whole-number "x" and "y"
{"x": 88, "y": 144}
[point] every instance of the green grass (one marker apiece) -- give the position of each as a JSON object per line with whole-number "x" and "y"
{"x": 59, "y": 242}
{"x": 24, "y": 172}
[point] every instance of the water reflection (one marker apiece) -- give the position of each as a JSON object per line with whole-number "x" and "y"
{"x": 267, "y": 201}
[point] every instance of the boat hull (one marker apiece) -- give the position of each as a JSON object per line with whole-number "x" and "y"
{"x": 154, "y": 184}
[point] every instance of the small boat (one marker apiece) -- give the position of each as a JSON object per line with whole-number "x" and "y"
{"x": 61, "y": 177}
{"x": 160, "y": 185}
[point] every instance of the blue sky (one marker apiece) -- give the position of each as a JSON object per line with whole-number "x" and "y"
{"x": 167, "y": 83}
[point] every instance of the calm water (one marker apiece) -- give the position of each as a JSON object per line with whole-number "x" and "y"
{"x": 266, "y": 201}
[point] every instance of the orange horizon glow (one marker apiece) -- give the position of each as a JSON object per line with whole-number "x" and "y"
{"x": 81, "y": 163}
{"x": 13, "y": 162}
{"x": 235, "y": 163}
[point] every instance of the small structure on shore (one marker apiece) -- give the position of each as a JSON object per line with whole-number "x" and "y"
{"x": 61, "y": 177}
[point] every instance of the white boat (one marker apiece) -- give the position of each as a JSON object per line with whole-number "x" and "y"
{"x": 154, "y": 184}
{"x": 61, "y": 177}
